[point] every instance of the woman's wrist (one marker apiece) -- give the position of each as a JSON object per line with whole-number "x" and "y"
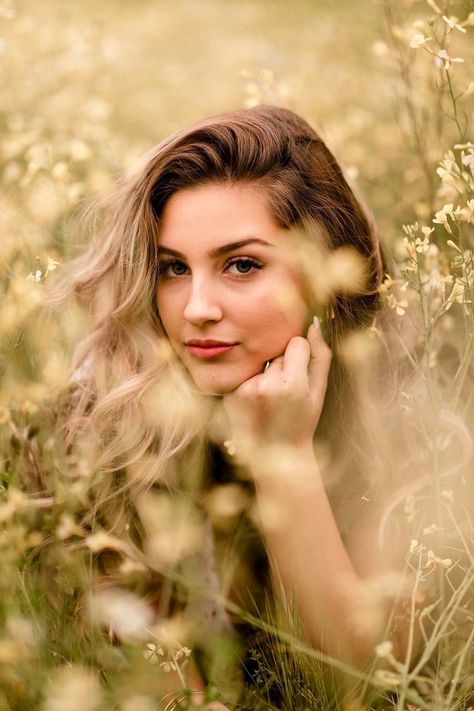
{"x": 297, "y": 462}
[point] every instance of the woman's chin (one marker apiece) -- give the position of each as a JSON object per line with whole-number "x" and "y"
{"x": 215, "y": 388}
{"x": 220, "y": 383}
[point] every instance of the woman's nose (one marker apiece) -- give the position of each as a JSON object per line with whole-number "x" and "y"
{"x": 202, "y": 305}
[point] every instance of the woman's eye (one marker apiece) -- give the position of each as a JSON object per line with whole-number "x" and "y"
{"x": 172, "y": 268}
{"x": 243, "y": 265}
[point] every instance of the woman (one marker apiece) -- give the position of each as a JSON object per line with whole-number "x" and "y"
{"x": 233, "y": 291}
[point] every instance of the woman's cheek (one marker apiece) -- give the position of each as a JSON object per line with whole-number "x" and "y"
{"x": 272, "y": 327}
{"x": 171, "y": 313}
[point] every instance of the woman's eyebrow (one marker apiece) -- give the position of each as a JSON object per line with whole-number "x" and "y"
{"x": 218, "y": 251}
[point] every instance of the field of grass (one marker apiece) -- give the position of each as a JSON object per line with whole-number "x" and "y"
{"x": 87, "y": 89}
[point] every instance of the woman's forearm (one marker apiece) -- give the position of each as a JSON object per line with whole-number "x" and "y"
{"x": 309, "y": 556}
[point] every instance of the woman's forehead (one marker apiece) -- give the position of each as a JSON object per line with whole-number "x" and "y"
{"x": 213, "y": 214}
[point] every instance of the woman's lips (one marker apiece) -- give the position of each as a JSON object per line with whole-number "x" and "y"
{"x": 209, "y": 351}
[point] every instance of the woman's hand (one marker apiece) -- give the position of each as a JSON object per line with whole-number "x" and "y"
{"x": 281, "y": 406}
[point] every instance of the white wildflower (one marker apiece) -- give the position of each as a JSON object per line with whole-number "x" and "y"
{"x": 51, "y": 266}
{"x": 409, "y": 247}
{"x": 422, "y": 245}
{"x": 152, "y": 652}
{"x": 453, "y": 23}
{"x": 427, "y": 230}
{"x": 441, "y": 217}
{"x": 433, "y": 560}
{"x": 124, "y": 613}
{"x": 447, "y": 60}
{"x": 415, "y": 546}
{"x": 35, "y": 276}
{"x": 168, "y": 667}
{"x": 72, "y": 688}
{"x": 384, "y": 650}
{"x": 419, "y": 40}
{"x": 457, "y": 293}
{"x": 411, "y": 230}
{"x": 467, "y": 213}
{"x": 399, "y": 305}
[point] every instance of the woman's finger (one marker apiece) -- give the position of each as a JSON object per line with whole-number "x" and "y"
{"x": 320, "y": 358}
{"x": 296, "y": 358}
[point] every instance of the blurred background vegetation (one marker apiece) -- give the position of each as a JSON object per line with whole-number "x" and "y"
{"x": 88, "y": 88}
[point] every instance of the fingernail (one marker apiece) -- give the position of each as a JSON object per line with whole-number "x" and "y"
{"x": 314, "y": 329}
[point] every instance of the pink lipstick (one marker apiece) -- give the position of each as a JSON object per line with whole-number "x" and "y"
{"x": 207, "y": 348}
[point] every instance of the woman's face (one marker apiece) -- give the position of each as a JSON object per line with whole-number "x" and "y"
{"x": 228, "y": 297}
